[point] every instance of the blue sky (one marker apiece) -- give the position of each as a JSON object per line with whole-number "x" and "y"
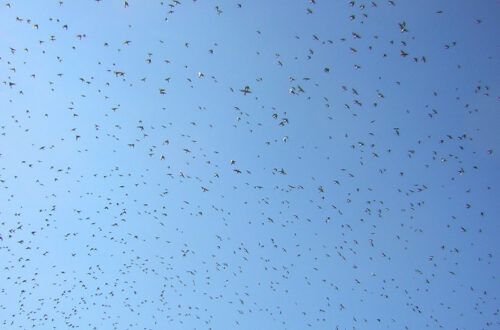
{"x": 354, "y": 187}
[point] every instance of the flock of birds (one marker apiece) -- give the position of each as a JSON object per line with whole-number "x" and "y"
{"x": 307, "y": 164}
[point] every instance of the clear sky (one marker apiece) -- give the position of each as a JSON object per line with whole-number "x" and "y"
{"x": 249, "y": 165}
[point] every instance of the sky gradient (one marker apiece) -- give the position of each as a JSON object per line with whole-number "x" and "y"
{"x": 249, "y": 165}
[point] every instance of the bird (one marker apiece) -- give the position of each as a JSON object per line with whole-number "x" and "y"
{"x": 246, "y": 90}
